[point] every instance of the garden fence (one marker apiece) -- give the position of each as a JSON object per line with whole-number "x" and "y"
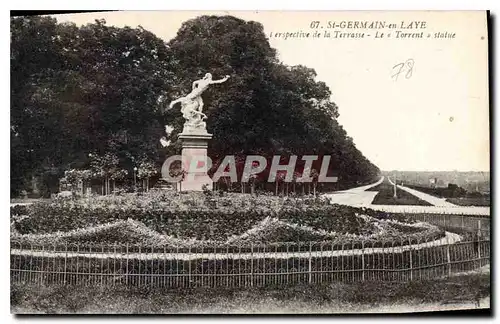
{"x": 457, "y": 223}
{"x": 434, "y": 210}
{"x": 244, "y": 266}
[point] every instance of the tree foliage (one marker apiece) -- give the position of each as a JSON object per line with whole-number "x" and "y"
{"x": 96, "y": 88}
{"x": 266, "y": 107}
{"x": 80, "y": 89}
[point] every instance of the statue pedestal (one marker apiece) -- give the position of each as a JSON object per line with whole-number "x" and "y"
{"x": 194, "y": 161}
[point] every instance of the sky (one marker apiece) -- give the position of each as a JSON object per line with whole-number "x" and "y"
{"x": 435, "y": 120}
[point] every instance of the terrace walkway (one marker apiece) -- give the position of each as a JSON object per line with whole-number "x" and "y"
{"x": 435, "y": 201}
{"x": 355, "y": 197}
{"x": 359, "y": 197}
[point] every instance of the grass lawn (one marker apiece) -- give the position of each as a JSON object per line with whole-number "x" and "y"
{"x": 378, "y": 187}
{"x": 462, "y": 199}
{"x": 466, "y": 201}
{"x": 385, "y": 196}
{"x": 457, "y": 292}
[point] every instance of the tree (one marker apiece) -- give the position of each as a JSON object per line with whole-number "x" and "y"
{"x": 280, "y": 178}
{"x": 176, "y": 171}
{"x": 103, "y": 89}
{"x": 117, "y": 175}
{"x": 146, "y": 170}
{"x": 33, "y": 55}
{"x": 314, "y": 176}
{"x": 105, "y": 167}
{"x": 266, "y": 106}
{"x": 76, "y": 179}
{"x": 103, "y": 82}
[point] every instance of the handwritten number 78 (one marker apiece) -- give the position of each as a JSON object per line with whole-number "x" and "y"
{"x": 406, "y": 68}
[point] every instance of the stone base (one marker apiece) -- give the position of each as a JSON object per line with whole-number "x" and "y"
{"x": 194, "y": 147}
{"x": 195, "y": 139}
{"x": 196, "y": 184}
{"x": 190, "y": 129}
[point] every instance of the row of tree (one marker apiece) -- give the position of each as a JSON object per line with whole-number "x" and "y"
{"x": 103, "y": 90}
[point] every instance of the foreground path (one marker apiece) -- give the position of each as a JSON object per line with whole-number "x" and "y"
{"x": 449, "y": 238}
{"x": 435, "y": 201}
{"x": 440, "y": 206}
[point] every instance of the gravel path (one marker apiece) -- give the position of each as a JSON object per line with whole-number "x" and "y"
{"x": 359, "y": 197}
{"x": 435, "y": 201}
{"x": 355, "y": 197}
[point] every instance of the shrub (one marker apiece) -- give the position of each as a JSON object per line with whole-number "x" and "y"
{"x": 18, "y": 210}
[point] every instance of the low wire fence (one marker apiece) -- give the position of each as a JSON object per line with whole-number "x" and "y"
{"x": 246, "y": 266}
{"x": 479, "y": 225}
{"x": 433, "y": 210}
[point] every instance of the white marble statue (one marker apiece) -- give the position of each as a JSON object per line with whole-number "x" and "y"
{"x": 192, "y": 104}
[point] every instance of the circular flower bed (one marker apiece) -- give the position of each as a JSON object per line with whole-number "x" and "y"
{"x": 177, "y": 220}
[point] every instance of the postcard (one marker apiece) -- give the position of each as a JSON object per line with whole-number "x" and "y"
{"x": 250, "y": 162}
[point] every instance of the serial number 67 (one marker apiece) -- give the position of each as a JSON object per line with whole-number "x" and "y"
{"x": 314, "y": 24}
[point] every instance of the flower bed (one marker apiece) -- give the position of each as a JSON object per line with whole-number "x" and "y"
{"x": 189, "y": 218}
{"x": 270, "y": 231}
{"x": 18, "y": 211}
{"x": 385, "y": 196}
